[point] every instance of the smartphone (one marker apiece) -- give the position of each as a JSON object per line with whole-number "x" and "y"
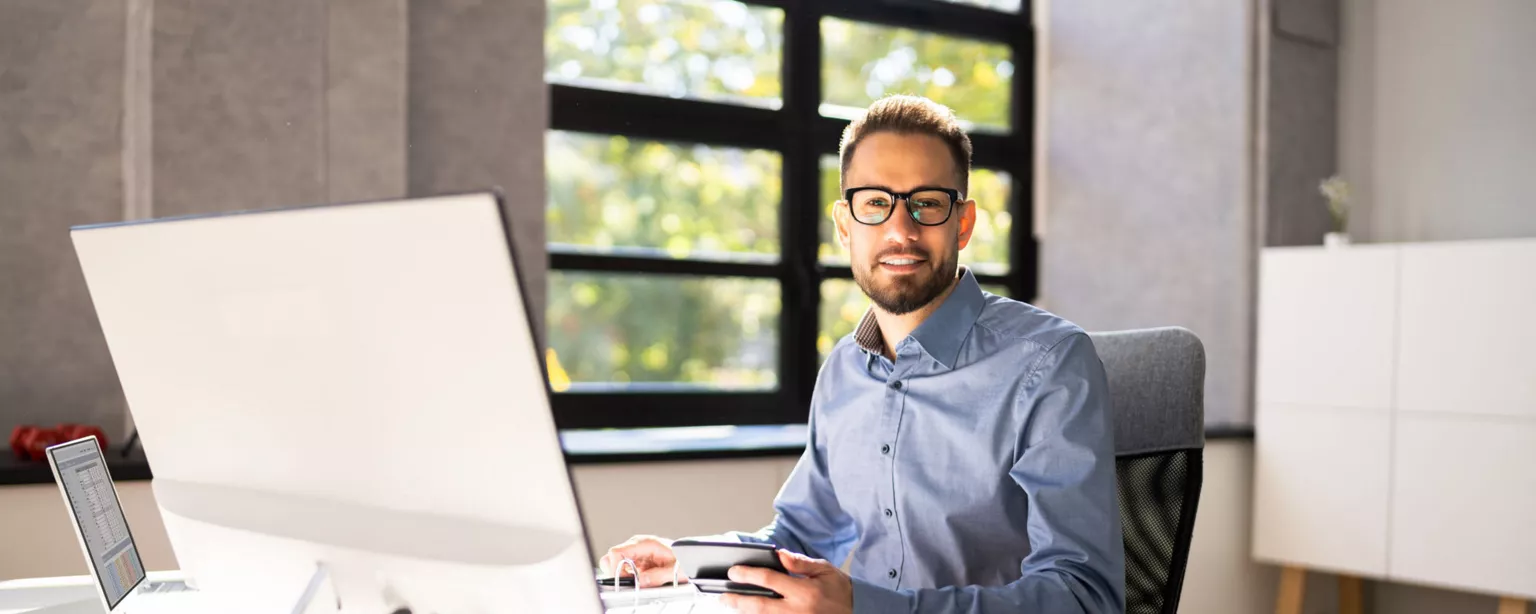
{"x": 706, "y": 564}
{"x": 612, "y": 582}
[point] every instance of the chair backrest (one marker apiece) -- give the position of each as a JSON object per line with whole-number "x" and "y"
{"x": 1157, "y": 395}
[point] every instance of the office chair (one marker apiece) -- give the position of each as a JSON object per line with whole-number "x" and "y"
{"x": 1157, "y": 395}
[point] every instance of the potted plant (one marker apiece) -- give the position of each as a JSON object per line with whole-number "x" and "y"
{"x": 1336, "y": 191}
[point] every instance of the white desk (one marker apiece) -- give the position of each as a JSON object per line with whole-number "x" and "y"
{"x": 26, "y": 595}
{"x": 19, "y": 596}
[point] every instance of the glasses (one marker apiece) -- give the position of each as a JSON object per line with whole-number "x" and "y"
{"x": 928, "y": 206}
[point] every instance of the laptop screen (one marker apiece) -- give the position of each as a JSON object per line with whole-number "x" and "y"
{"x": 93, "y": 503}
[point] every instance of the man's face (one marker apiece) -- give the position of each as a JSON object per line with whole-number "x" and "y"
{"x": 900, "y": 264}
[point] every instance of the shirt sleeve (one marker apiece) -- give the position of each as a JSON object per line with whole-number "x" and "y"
{"x": 807, "y": 517}
{"x": 1066, "y": 465}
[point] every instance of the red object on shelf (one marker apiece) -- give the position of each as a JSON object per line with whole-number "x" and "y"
{"x": 37, "y": 441}
{"x": 65, "y": 431}
{"x": 16, "y": 434}
{"x": 31, "y": 442}
{"x": 89, "y": 430}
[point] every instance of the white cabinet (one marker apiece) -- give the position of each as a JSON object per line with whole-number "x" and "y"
{"x": 1396, "y": 413}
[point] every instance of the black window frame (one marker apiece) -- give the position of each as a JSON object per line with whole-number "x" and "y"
{"x": 799, "y": 133}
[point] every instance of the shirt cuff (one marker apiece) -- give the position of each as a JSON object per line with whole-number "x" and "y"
{"x": 871, "y": 599}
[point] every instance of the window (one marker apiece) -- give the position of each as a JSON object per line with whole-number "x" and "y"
{"x": 691, "y": 160}
{"x": 862, "y": 62}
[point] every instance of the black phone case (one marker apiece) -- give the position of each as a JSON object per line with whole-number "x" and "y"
{"x": 706, "y": 564}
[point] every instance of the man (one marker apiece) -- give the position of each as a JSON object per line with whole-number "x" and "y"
{"x": 962, "y": 440}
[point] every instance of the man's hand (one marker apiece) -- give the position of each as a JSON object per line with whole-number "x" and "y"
{"x": 652, "y": 556}
{"x": 824, "y": 589}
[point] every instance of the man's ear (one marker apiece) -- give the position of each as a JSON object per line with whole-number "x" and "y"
{"x": 967, "y": 222}
{"x": 840, "y": 219}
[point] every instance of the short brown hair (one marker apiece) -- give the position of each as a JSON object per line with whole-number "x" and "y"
{"x": 904, "y": 114}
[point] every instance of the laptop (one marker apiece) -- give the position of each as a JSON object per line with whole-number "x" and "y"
{"x": 105, "y": 539}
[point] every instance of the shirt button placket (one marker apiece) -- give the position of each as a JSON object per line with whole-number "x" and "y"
{"x": 895, "y": 393}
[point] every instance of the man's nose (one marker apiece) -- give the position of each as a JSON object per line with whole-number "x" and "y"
{"x": 900, "y": 227}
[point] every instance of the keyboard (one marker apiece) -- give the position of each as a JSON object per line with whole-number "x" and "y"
{"x": 670, "y": 600}
{"x": 702, "y": 606}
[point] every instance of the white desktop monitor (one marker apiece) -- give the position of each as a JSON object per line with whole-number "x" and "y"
{"x": 354, "y": 386}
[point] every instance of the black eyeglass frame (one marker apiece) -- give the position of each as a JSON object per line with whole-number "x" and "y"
{"x": 906, "y": 199}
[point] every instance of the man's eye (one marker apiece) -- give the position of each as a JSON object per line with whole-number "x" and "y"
{"x": 876, "y": 202}
{"x": 925, "y": 204}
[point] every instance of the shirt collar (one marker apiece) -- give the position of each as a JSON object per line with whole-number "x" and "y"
{"x": 942, "y": 333}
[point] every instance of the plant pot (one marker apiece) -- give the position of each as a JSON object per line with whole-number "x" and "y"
{"x": 1336, "y": 239}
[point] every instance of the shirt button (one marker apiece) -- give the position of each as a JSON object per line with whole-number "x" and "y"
{"x": 896, "y": 385}
{"x": 891, "y": 573}
{"x": 885, "y": 449}
{"x": 889, "y": 513}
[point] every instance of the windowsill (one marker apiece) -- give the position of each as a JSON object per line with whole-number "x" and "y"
{"x": 1220, "y": 432}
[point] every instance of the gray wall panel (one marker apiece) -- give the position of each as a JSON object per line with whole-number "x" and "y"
{"x": 478, "y": 110}
{"x": 1302, "y": 136}
{"x": 365, "y": 99}
{"x": 61, "y": 102}
{"x": 1147, "y": 155}
{"x": 239, "y": 106}
{"x": 1316, "y": 21}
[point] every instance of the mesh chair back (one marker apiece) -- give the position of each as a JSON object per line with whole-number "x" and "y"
{"x": 1157, "y": 395}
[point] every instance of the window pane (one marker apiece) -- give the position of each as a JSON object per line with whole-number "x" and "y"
{"x": 988, "y": 249}
{"x": 706, "y": 49}
{"x": 830, "y": 251}
{"x": 863, "y": 62}
{"x": 987, "y": 252}
{"x": 612, "y": 194}
{"x": 842, "y": 304}
{"x": 647, "y": 332}
{"x": 1011, "y": 6}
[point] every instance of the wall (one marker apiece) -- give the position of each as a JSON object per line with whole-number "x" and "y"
{"x": 39, "y": 541}
{"x": 1145, "y": 181}
{"x": 124, "y": 109}
{"x": 1438, "y": 118}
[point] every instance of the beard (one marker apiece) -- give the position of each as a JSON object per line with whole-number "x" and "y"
{"x": 904, "y": 294}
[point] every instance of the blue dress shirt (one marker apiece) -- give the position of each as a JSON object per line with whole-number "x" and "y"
{"x": 975, "y": 473}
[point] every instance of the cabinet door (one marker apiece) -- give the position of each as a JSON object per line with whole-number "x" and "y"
{"x": 1464, "y": 503}
{"x": 1325, "y": 325}
{"x": 1320, "y": 488}
{"x": 1468, "y": 328}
